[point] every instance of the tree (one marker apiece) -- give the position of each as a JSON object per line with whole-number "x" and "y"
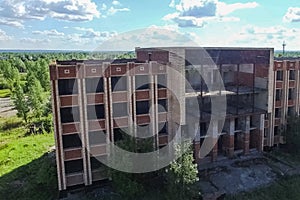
{"x": 36, "y": 98}
{"x": 292, "y": 134}
{"x": 20, "y": 101}
{"x": 43, "y": 74}
{"x": 126, "y": 184}
{"x": 10, "y": 73}
{"x": 182, "y": 174}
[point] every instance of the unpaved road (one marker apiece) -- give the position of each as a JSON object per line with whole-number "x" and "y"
{"x": 6, "y": 108}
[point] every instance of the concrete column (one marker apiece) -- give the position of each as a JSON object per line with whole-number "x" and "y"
{"x": 260, "y": 137}
{"x": 197, "y": 151}
{"x": 214, "y": 140}
{"x": 231, "y": 139}
{"x": 247, "y": 135}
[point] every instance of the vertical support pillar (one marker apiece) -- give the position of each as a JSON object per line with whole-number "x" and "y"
{"x": 231, "y": 139}
{"x": 214, "y": 152}
{"x": 247, "y": 135}
{"x": 260, "y": 137}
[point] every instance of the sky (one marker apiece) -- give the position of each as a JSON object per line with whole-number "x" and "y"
{"x": 125, "y": 24}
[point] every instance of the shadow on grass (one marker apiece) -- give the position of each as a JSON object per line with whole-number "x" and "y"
{"x": 36, "y": 180}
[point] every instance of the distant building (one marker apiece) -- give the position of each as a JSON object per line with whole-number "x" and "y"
{"x": 92, "y": 95}
{"x": 286, "y": 101}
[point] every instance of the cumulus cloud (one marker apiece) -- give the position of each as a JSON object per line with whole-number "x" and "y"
{"x": 292, "y": 15}
{"x": 89, "y": 35}
{"x": 272, "y": 36}
{"x": 34, "y": 41}
{"x": 9, "y": 22}
{"x": 153, "y": 36}
{"x": 196, "y": 13}
{"x": 116, "y": 6}
{"x": 116, "y": 3}
{"x": 51, "y": 33}
{"x": 112, "y": 10}
{"x": 4, "y": 36}
{"x": 14, "y": 12}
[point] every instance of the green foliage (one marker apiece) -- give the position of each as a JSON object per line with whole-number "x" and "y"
{"x": 10, "y": 73}
{"x": 126, "y": 184}
{"x": 36, "y": 97}
{"x": 27, "y": 171}
{"x": 292, "y": 54}
{"x": 182, "y": 174}
{"x": 20, "y": 101}
{"x": 10, "y": 123}
{"x": 5, "y": 93}
{"x": 292, "y": 134}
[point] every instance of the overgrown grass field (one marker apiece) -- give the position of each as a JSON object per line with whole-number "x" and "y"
{"x": 27, "y": 169}
{"x": 285, "y": 189}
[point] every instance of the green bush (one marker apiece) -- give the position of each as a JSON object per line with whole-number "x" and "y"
{"x": 10, "y": 123}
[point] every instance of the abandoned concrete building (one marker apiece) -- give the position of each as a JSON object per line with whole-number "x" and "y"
{"x": 89, "y": 96}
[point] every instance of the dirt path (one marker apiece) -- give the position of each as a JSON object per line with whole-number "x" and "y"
{"x": 6, "y": 108}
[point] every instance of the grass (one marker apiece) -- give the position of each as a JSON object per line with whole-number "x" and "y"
{"x": 27, "y": 170}
{"x": 285, "y": 189}
{"x": 5, "y": 93}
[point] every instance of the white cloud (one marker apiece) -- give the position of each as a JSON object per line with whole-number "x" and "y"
{"x": 4, "y": 36}
{"x": 34, "y": 41}
{"x": 103, "y": 7}
{"x": 16, "y": 11}
{"x": 51, "y": 33}
{"x": 225, "y": 9}
{"x": 196, "y": 13}
{"x": 90, "y": 33}
{"x": 10, "y": 22}
{"x": 112, "y": 10}
{"x": 153, "y": 36}
{"x": 116, "y": 3}
{"x": 267, "y": 36}
{"x": 292, "y": 15}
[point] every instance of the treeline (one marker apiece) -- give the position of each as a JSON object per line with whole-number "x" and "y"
{"x": 26, "y": 75}
{"x": 292, "y": 54}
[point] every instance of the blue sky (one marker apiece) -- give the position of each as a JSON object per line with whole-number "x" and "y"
{"x": 125, "y": 24}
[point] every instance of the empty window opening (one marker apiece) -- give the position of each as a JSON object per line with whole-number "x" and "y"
{"x": 290, "y": 111}
{"x": 95, "y": 112}
{"x": 120, "y": 109}
{"x": 71, "y": 141}
{"x": 277, "y": 112}
{"x": 141, "y": 82}
{"x": 94, "y": 85}
{"x": 96, "y": 163}
{"x": 278, "y": 95}
{"x": 163, "y": 128}
{"x": 276, "y": 130}
{"x": 142, "y": 107}
{"x": 292, "y": 75}
{"x": 279, "y": 75}
{"x": 162, "y": 105}
{"x": 119, "y": 134}
{"x": 74, "y": 166}
{"x": 161, "y": 81}
{"x": 143, "y": 131}
{"x": 67, "y": 86}
{"x": 97, "y": 137}
{"x": 69, "y": 114}
{"x": 291, "y": 94}
{"x": 203, "y": 129}
{"x": 236, "y": 124}
{"x": 119, "y": 83}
